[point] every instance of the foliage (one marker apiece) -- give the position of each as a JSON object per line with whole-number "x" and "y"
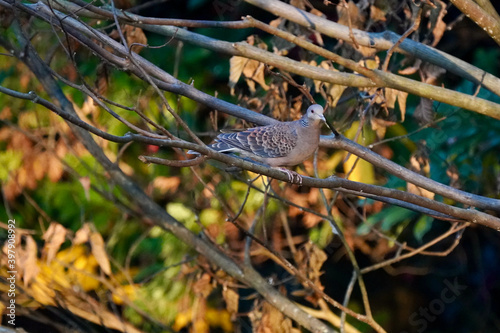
{"x": 89, "y": 251}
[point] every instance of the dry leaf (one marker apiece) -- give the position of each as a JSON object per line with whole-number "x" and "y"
{"x": 54, "y": 237}
{"x": 102, "y": 80}
{"x": 99, "y": 252}
{"x": 269, "y": 320}
{"x": 134, "y": 35}
{"x": 411, "y": 70}
{"x": 412, "y": 188}
{"x": 276, "y": 23}
{"x": 334, "y": 91}
{"x": 85, "y": 182}
{"x": 380, "y": 126}
{"x": 231, "y": 298}
{"x": 300, "y": 4}
{"x": 351, "y": 12}
{"x": 391, "y": 95}
{"x": 436, "y": 23}
{"x": 377, "y": 14}
{"x": 30, "y": 263}
{"x": 310, "y": 259}
{"x": 165, "y": 184}
{"x": 236, "y": 65}
{"x": 82, "y": 235}
{"x": 452, "y": 172}
{"x": 55, "y": 168}
{"x": 419, "y": 162}
{"x": 203, "y": 286}
{"x": 39, "y": 165}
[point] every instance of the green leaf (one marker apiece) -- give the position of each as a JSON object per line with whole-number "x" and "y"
{"x": 422, "y": 226}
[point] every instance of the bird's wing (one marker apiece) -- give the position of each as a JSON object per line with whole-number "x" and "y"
{"x": 266, "y": 141}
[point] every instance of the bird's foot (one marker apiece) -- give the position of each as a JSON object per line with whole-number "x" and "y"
{"x": 292, "y": 175}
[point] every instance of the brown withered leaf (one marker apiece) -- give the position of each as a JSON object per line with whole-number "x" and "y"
{"x": 392, "y": 95}
{"x": 231, "y": 298}
{"x": 55, "y": 168}
{"x": 99, "y": 252}
{"x": 357, "y": 20}
{"x": 82, "y": 235}
{"x": 53, "y": 237}
{"x": 452, "y": 172}
{"x": 412, "y": 188}
{"x": 378, "y": 14}
{"x": 333, "y": 91}
{"x": 102, "y": 80}
{"x": 203, "y": 286}
{"x": 436, "y": 23}
{"x": 419, "y": 162}
{"x": 380, "y": 126}
{"x": 251, "y": 69}
{"x": 166, "y": 184}
{"x": 300, "y": 4}
{"x": 236, "y": 65}
{"x": 412, "y": 69}
{"x": 39, "y": 165}
{"x": 30, "y": 265}
{"x": 85, "y": 182}
{"x": 268, "y": 319}
{"x": 309, "y": 260}
{"x": 134, "y": 35}
{"x": 255, "y": 71}
{"x": 276, "y": 23}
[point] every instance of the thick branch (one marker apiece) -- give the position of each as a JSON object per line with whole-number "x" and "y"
{"x": 381, "y": 41}
{"x": 389, "y": 79}
{"x": 481, "y": 17}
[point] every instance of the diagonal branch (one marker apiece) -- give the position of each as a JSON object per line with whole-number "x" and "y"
{"x": 381, "y": 41}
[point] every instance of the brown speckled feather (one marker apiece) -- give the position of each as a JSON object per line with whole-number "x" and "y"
{"x": 266, "y": 141}
{"x": 283, "y": 144}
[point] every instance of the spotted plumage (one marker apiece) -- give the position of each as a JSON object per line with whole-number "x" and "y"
{"x": 282, "y": 144}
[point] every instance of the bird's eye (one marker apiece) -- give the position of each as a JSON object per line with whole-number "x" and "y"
{"x": 312, "y": 111}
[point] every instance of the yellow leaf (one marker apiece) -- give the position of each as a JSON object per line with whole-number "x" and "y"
{"x": 182, "y": 319}
{"x": 42, "y": 293}
{"x": 129, "y": 291}
{"x": 220, "y": 318}
{"x": 210, "y": 216}
{"x": 71, "y": 254}
{"x": 358, "y": 169}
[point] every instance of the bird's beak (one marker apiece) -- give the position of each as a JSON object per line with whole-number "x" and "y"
{"x": 322, "y": 118}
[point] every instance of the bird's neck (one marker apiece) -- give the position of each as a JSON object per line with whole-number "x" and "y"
{"x": 304, "y": 121}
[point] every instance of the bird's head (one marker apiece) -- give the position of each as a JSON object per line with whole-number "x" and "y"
{"x": 315, "y": 113}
